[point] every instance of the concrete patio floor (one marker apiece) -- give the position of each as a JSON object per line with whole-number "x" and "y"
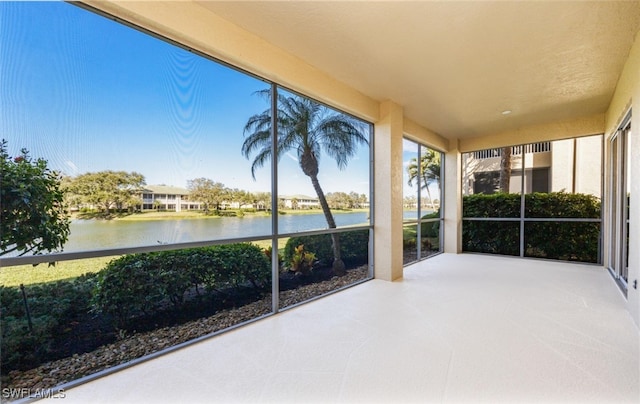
{"x": 457, "y": 328}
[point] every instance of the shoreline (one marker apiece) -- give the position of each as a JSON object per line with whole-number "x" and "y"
{"x": 193, "y": 215}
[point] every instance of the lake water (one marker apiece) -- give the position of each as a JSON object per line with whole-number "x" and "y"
{"x": 412, "y": 214}
{"x": 100, "y": 234}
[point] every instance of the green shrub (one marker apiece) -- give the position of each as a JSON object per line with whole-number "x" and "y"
{"x": 494, "y": 205}
{"x": 491, "y": 237}
{"x": 561, "y": 204}
{"x": 354, "y": 247}
{"x": 51, "y": 305}
{"x": 302, "y": 261}
{"x": 130, "y": 285}
{"x": 141, "y": 284}
{"x": 577, "y": 241}
{"x": 238, "y": 264}
{"x": 558, "y": 240}
{"x": 430, "y": 229}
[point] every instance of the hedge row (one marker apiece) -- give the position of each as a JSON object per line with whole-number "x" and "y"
{"x": 52, "y": 306}
{"x": 536, "y": 205}
{"x": 562, "y": 240}
{"x": 430, "y": 229}
{"x": 575, "y": 241}
{"x": 144, "y": 283}
{"x": 354, "y": 247}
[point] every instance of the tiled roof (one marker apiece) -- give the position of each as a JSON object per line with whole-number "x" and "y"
{"x": 164, "y": 189}
{"x": 299, "y": 197}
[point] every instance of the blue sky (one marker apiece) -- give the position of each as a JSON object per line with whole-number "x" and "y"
{"x": 89, "y": 94}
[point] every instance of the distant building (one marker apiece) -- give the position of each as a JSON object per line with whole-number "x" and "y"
{"x": 162, "y": 197}
{"x": 299, "y": 202}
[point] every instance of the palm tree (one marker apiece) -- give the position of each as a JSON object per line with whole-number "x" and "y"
{"x": 429, "y": 171}
{"x": 309, "y": 129}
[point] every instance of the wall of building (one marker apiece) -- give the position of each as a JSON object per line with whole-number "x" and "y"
{"x": 589, "y": 165}
{"x": 627, "y": 96}
{"x": 576, "y": 165}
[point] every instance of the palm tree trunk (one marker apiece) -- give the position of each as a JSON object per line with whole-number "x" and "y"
{"x": 433, "y": 206}
{"x": 505, "y": 169}
{"x": 338, "y": 265}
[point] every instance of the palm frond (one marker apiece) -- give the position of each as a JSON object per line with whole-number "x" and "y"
{"x": 255, "y": 141}
{"x": 340, "y": 137}
{"x": 263, "y": 156}
{"x": 303, "y": 124}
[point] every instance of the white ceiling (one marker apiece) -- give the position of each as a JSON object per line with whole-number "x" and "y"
{"x": 455, "y": 66}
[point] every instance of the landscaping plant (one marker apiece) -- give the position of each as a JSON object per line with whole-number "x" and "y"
{"x": 354, "y": 247}
{"x": 143, "y": 284}
{"x": 302, "y": 261}
{"x": 575, "y": 241}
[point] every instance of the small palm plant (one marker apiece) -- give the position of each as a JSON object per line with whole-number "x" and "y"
{"x": 302, "y": 261}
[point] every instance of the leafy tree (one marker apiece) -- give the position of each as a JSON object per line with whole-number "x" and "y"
{"x": 108, "y": 189}
{"x": 71, "y": 200}
{"x": 429, "y": 171}
{"x": 208, "y": 192}
{"x": 240, "y": 196}
{"x": 33, "y": 216}
{"x": 333, "y": 199}
{"x": 354, "y": 200}
{"x": 410, "y": 201}
{"x": 363, "y": 200}
{"x": 309, "y": 129}
{"x": 340, "y": 200}
{"x": 262, "y": 200}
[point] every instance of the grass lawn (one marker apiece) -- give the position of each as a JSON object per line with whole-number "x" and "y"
{"x": 267, "y": 243}
{"x": 43, "y": 273}
{"x": 409, "y": 231}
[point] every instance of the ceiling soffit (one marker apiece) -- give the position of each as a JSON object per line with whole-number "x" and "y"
{"x": 455, "y": 66}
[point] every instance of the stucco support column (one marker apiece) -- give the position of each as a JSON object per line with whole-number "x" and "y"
{"x": 452, "y": 199}
{"x": 633, "y": 289}
{"x": 388, "y": 192}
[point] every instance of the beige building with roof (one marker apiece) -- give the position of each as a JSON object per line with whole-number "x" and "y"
{"x": 170, "y": 198}
{"x": 300, "y": 201}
